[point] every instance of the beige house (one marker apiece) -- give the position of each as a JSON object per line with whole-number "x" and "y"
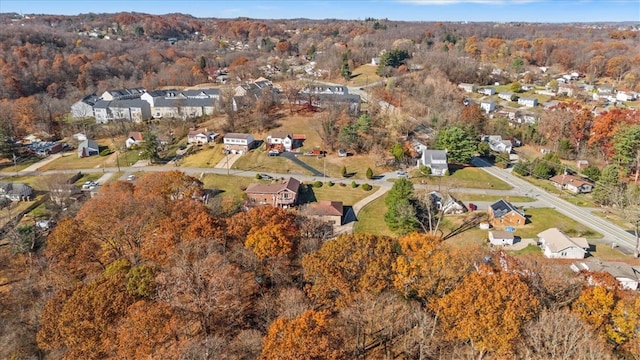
{"x": 557, "y": 245}
{"x": 328, "y": 211}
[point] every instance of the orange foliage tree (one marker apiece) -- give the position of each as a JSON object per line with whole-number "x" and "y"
{"x": 305, "y": 337}
{"x": 488, "y": 308}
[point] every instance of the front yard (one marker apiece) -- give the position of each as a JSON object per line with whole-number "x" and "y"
{"x": 465, "y": 177}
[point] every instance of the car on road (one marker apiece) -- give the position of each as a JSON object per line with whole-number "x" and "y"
{"x": 402, "y": 174}
{"x": 274, "y": 152}
{"x": 131, "y": 177}
{"x": 265, "y": 177}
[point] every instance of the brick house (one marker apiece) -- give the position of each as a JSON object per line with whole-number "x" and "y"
{"x": 502, "y": 213}
{"x": 284, "y": 194}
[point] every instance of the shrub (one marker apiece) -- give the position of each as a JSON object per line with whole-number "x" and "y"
{"x": 105, "y": 152}
{"x": 369, "y": 173}
{"x": 366, "y": 187}
{"x": 343, "y": 171}
{"x": 258, "y": 177}
{"x": 354, "y": 184}
{"x": 343, "y": 184}
{"x": 447, "y": 173}
{"x": 317, "y": 184}
{"x": 330, "y": 183}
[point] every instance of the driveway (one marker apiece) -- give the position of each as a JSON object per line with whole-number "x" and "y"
{"x": 302, "y": 164}
{"x": 227, "y": 161}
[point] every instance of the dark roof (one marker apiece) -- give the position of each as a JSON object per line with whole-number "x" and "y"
{"x": 291, "y": 184}
{"x": 128, "y": 103}
{"x": 237, "y": 136}
{"x": 91, "y": 99}
{"x": 101, "y": 104}
{"x": 501, "y": 208}
{"x": 16, "y": 189}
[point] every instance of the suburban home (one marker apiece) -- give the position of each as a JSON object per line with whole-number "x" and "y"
{"x": 79, "y": 137}
{"x": 123, "y": 94}
{"x": 625, "y": 96}
{"x": 447, "y": 203}
{"x": 436, "y": 160}
{"x": 582, "y": 164}
{"x": 571, "y": 183}
{"x": 84, "y": 108}
{"x": 488, "y": 106}
{"x": 467, "y": 87}
{"x": 550, "y": 104}
{"x": 15, "y": 191}
{"x": 628, "y": 276}
{"x": 253, "y": 88}
{"x": 325, "y": 210}
{"x": 325, "y": 99}
{"x": 501, "y": 238}
{"x": 135, "y": 110}
{"x": 325, "y": 89}
{"x": 497, "y": 144}
{"x": 134, "y": 139}
{"x": 282, "y": 141}
{"x": 528, "y": 102}
{"x": 237, "y": 143}
{"x": 557, "y": 245}
{"x": 505, "y": 96}
{"x": 101, "y": 111}
{"x": 201, "y": 136}
{"x": 487, "y": 91}
{"x": 283, "y": 195}
{"x": 183, "y": 104}
{"x": 567, "y": 89}
{"x": 88, "y": 148}
{"x": 503, "y": 213}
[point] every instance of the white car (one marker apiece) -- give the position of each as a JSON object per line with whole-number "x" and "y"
{"x": 402, "y": 174}
{"x": 342, "y": 153}
{"x": 131, "y": 177}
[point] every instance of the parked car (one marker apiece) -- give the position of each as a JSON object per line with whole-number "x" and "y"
{"x": 131, "y": 177}
{"x": 265, "y": 176}
{"x": 473, "y": 207}
{"x": 274, "y": 152}
{"x": 402, "y": 174}
{"x": 342, "y": 153}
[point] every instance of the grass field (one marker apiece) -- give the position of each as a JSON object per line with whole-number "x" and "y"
{"x": 10, "y": 168}
{"x": 541, "y": 219}
{"x": 258, "y": 160}
{"x": 371, "y": 218}
{"x": 206, "y": 156}
{"x": 464, "y": 197}
{"x": 363, "y": 75}
{"x": 466, "y": 177}
{"x": 72, "y": 161}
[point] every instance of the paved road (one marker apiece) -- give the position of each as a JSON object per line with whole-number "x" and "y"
{"x": 612, "y": 233}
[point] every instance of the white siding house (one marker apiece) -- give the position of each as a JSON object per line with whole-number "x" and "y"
{"x": 557, "y": 245}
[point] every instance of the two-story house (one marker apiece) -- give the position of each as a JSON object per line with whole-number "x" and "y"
{"x": 528, "y": 102}
{"x": 201, "y": 136}
{"x": 503, "y": 213}
{"x": 436, "y": 160}
{"x": 237, "y": 143}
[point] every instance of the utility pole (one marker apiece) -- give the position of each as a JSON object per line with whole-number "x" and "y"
{"x": 118, "y": 160}
{"x": 227, "y": 157}
{"x": 15, "y": 164}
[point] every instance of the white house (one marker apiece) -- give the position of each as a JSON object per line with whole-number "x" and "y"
{"x": 557, "y": 245}
{"x": 281, "y": 140}
{"x": 237, "y": 143}
{"x": 528, "y": 102}
{"x": 571, "y": 183}
{"x": 625, "y": 96}
{"x": 487, "y": 91}
{"x": 501, "y": 238}
{"x": 88, "y": 148}
{"x": 201, "y": 136}
{"x": 505, "y": 96}
{"x": 134, "y": 139}
{"x": 627, "y": 275}
{"x": 488, "y": 106}
{"x": 436, "y": 160}
{"x": 84, "y": 108}
{"x": 497, "y": 144}
{"x": 467, "y": 87}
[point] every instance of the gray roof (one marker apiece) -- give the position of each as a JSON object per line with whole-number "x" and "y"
{"x": 616, "y": 269}
{"x": 129, "y": 103}
{"x": 91, "y": 99}
{"x": 126, "y": 93}
{"x": 237, "y": 136}
{"x": 92, "y": 144}
{"x": 180, "y": 101}
{"x": 18, "y": 189}
{"x": 101, "y": 104}
{"x": 501, "y": 208}
{"x": 211, "y": 92}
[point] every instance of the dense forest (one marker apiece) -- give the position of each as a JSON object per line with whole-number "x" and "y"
{"x": 147, "y": 270}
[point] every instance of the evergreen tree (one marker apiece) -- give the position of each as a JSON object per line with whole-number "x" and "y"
{"x": 606, "y": 185}
{"x": 401, "y": 215}
{"x": 459, "y": 145}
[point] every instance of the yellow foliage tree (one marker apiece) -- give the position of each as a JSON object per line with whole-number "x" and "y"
{"x": 595, "y": 305}
{"x": 306, "y": 337}
{"x": 488, "y": 308}
{"x": 271, "y": 240}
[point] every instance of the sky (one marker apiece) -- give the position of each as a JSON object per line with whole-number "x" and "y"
{"x": 557, "y": 11}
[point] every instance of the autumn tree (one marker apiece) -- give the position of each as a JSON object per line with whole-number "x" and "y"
{"x": 348, "y": 265}
{"x": 308, "y": 336}
{"x": 272, "y": 240}
{"x": 501, "y": 304}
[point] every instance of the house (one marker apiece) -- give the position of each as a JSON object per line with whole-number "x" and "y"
{"x": 284, "y": 194}
{"x": 123, "y": 94}
{"x": 134, "y": 139}
{"x": 582, "y": 164}
{"x": 467, "y": 87}
{"x": 497, "y": 144}
{"x": 550, "y": 104}
{"x": 253, "y": 88}
{"x": 79, "y": 137}
{"x": 503, "y": 213}
{"x": 506, "y": 96}
{"x": 488, "y": 106}
{"x": 237, "y": 143}
{"x": 88, "y": 148}
{"x": 528, "y": 102}
{"x": 566, "y": 89}
{"x": 571, "y": 183}
{"x": 488, "y": 91}
{"x": 436, "y": 160}
{"x": 325, "y": 89}
{"x": 15, "y": 191}
{"x": 84, "y": 108}
{"x": 201, "y": 136}
{"x": 557, "y": 245}
{"x": 501, "y": 238}
{"x": 283, "y": 141}
{"x": 628, "y": 276}
{"x": 625, "y": 96}
{"x": 101, "y": 111}
{"x": 447, "y": 203}
{"x": 135, "y": 110}
{"x": 325, "y": 210}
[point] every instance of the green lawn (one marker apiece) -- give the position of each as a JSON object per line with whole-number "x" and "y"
{"x": 540, "y": 219}
{"x": 205, "y": 156}
{"x": 20, "y": 166}
{"x": 257, "y": 160}
{"x": 464, "y": 197}
{"x": 371, "y": 218}
{"x": 364, "y": 75}
{"x": 467, "y": 177}
{"x": 529, "y": 250}
{"x": 72, "y": 161}
{"x": 232, "y": 186}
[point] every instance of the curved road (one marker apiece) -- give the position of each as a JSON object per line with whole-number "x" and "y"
{"x": 611, "y": 232}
